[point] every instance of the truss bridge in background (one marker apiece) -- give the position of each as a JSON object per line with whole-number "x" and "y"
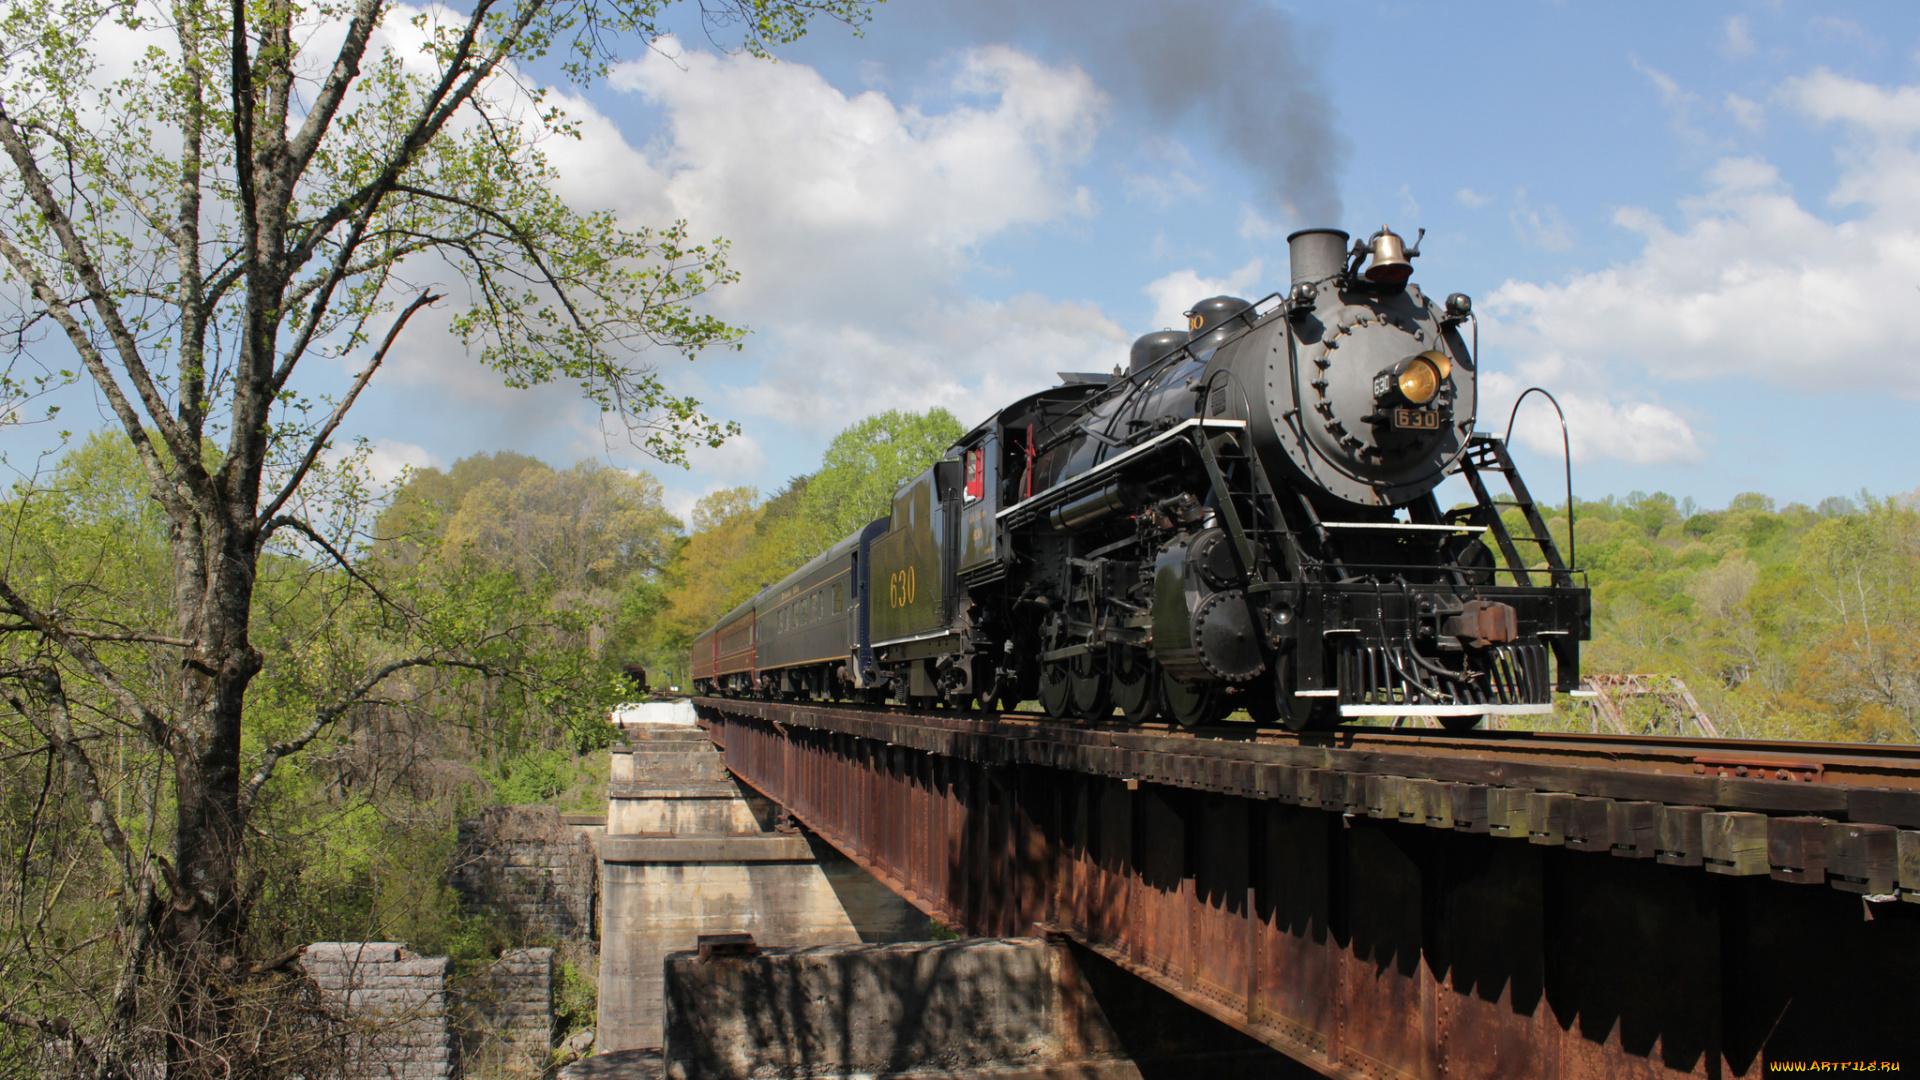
{"x": 1611, "y": 698}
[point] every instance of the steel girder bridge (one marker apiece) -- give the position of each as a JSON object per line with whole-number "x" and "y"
{"x": 1386, "y": 904}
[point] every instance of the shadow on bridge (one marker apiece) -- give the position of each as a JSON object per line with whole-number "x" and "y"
{"x": 1368, "y": 945}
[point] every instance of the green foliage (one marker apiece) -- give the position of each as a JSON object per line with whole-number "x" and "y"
{"x": 354, "y": 834}
{"x": 576, "y": 1001}
{"x": 561, "y": 776}
{"x": 1784, "y": 621}
{"x": 740, "y": 543}
{"x": 868, "y": 461}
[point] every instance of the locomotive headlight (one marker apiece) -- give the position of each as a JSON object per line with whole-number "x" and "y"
{"x": 1417, "y": 381}
{"x": 1414, "y": 380}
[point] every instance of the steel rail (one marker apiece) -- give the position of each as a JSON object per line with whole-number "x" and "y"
{"x": 1874, "y": 765}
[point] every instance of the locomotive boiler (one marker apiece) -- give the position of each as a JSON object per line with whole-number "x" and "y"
{"x": 1242, "y": 518}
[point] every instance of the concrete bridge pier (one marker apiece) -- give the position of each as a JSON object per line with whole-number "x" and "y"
{"x": 689, "y": 851}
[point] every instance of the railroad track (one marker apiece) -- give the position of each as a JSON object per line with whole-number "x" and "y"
{"x": 1736, "y": 806}
{"x": 1802, "y": 761}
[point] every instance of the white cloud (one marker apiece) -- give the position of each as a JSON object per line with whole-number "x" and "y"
{"x": 1679, "y": 101}
{"x": 388, "y": 459}
{"x": 1543, "y": 227}
{"x": 1175, "y": 293}
{"x": 1747, "y": 113}
{"x": 969, "y": 358}
{"x": 1598, "y": 425}
{"x": 1162, "y": 172}
{"x": 1883, "y": 111}
{"x": 1738, "y": 41}
{"x": 843, "y": 207}
{"x": 1257, "y": 226}
{"x": 1837, "y": 29}
{"x": 853, "y": 219}
{"x": 1750, "y": 284}
{"x": 1161, "y": 189}
{"x": 736, "y": 461}
{"x": 1409, "y": 205}
{"x": 740, "y": 460}
{"x": 1470, "y": 198}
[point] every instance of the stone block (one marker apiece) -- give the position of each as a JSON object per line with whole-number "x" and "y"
{"x": 528, "y": 864}
{"x": 943, "y": 1007}
{"x": 395, "y": 1003}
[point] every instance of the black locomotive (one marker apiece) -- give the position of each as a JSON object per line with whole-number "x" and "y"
{"x": 1243, "y": 519}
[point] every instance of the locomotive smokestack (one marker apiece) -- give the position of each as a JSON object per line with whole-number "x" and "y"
{"x": 1317, "y": 254}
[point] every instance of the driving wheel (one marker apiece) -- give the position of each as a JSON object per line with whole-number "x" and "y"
{"x": 1189, "y": 704}
{"x": 1136, "y": 690}
{"x": 1087, "y": 686}
{"x": 1055, "y": 689}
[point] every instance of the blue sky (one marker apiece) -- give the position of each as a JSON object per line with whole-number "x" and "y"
{"x": 1697, "y": 224}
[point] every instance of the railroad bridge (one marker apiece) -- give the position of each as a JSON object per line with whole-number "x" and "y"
{"x": 1380, "y": 903}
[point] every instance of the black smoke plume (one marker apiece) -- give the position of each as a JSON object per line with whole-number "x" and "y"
{"x": 1238, "y": 71}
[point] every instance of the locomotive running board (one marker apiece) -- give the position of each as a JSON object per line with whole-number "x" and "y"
{"x": 1062, "y": 492}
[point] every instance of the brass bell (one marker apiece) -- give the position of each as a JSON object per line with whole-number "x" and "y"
{"x": 1390, "y": 264}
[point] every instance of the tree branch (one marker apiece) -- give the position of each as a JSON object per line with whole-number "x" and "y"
{"x": 298, "y": 295}
{"x": 78, "y": 258}
{"x": 88, "y": 662}
{"x": 346, "y": 67}
{"x": 90, "y": 635}
{"x": 327, "y": 429}
{"x": 325, "y": 718}
{"x": 57, "y": 1027}
{"x": 513, "y": 234}
{"x": 301, "y": 527}
{"x": 116, "y": 181}
{"x": 241, "y": 76}
{"x": 59, "y": 733}
{"x": 193, "y": 302}
{"x": 452, "y": 91}
{"x": 96, "y": 363}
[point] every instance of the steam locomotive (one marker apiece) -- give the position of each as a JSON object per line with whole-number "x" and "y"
{"x": 1243, "y": 519}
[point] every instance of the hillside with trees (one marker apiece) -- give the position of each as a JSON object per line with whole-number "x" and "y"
{"x": 1785, "y": 621}
{"x": 737, "y": 542}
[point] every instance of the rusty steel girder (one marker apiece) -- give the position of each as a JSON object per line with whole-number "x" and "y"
{"x": 1354, "y": 939}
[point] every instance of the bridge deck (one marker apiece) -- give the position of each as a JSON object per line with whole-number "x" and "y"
{"x": 1392, "y": 904}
